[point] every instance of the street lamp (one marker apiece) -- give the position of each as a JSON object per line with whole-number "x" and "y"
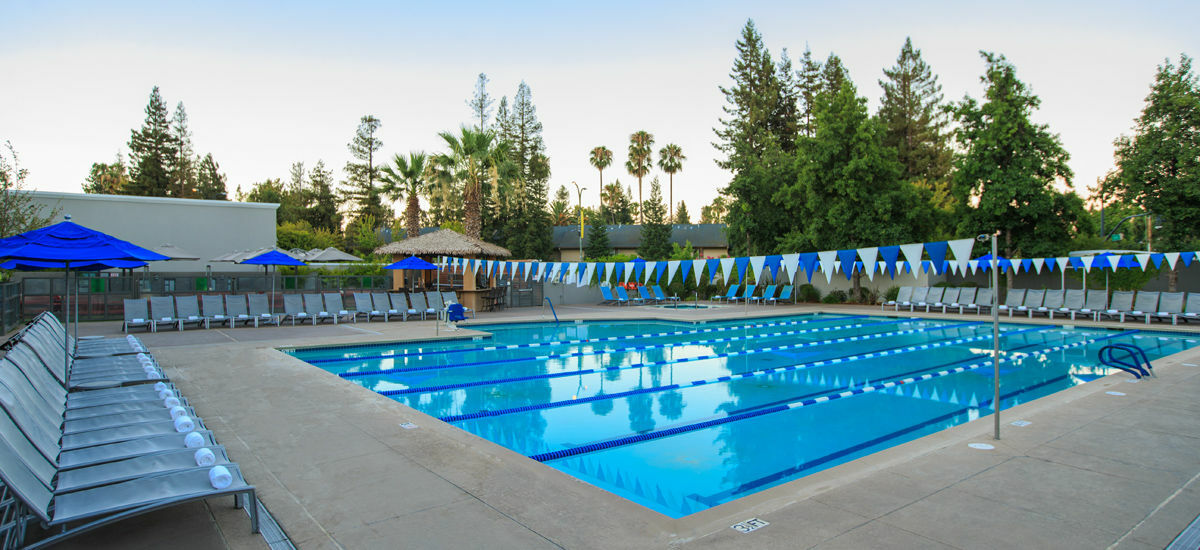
{"x": 995, "y": 333}
{"x": 579, "y": 191}
{"x": 1149, "y": 225}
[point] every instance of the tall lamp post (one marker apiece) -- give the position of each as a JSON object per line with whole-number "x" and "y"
{"x": 995, "y": 333}
{"x": 579, "y": 191}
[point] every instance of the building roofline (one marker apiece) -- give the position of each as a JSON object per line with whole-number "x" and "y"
{"x": 143, "y": 200}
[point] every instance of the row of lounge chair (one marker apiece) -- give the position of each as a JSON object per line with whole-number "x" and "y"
{"x": 97, "y": 435}
{"x": 230, "y": 309}
{"x": 619, "y": 296}
{"x": 1143, "y": 305}
{"x": 767, "y": 297}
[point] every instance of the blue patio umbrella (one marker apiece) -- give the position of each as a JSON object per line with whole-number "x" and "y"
{"x": 270, "y": 258}
{"x": 415, "y": 264}
{"x": 72, "y": 244}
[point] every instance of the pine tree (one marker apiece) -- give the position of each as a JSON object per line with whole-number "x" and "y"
{"x": 912, "y": 115}
{"x": 210, "y": 182}
{"x": 681, "y": 216}
{"x": 362, "y": 192}
{"x": 107, "y": 179}
{"x": 597, "y": 244}
{"x": 809, "y": 84}
{"x": 833, "y": 74}
{"x": 183, "y": 164}
{"x": 751, "y": 103}
{"x": 560, "y": 207}
{"x": 322, "y": 212}
{"x": 151, "y": 150}
{"x": 1009, "y": 169}
{"x": 656, "y": 231}
{"x": 616, "y": 207}
{"x": 481, "y": 102}
{"x": 1158, "y": 168}
{"x": 525, "y": 222}
{"x": 785, "y": 120}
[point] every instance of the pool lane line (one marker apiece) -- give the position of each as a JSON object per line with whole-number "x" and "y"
{"x": 353, "y": 374}
{"x": 588, "y": 340}
{"x": 667, "y": 432}
{"x": 748, "y": 374}
{"x": 473, "y": 383}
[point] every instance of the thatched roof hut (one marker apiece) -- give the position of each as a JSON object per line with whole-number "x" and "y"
{"x": 444, "y": 242}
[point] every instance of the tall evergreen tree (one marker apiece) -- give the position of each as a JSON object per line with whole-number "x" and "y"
{"x": 210, "y": 182}
{"x": 560, "y": 207}
{"x": 1158, "y": 168}
{"x": 670, "y": 160}
{"x": 833, "y": 74}
{"x": 681, "y": 216}
{"x": 361, "y": 190}
{"x": 524, "y": 223}
{"x": 785, "y": 120}
{"x": 597, "y": 244}
{"x": 616, "y": 207}
{"x": 751, "y": 103}
{"x": 1009, "y": 168}
{"x": 912, "y": 115}
{"x": 640, "y": 160}
{"x": 809, "y": 84}
{"x": 481, "y": 102}
{"x": 656, "y": 230}
{"x": 107, "y": 179}
{"x": 322, "y": 211}
{"x": 183, "y": 165}
{"x": 151, "y": 150}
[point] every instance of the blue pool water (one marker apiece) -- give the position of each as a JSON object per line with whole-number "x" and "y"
{"x": 680, "y": 417}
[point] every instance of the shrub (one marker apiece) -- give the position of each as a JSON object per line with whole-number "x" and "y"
{"x": 891, "y": 294}
{"x": 834, "y": 297}
{"x": 866, "y": 296}
{"x": 808, "y": 293}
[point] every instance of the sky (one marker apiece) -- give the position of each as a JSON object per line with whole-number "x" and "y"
{"x": 267, "y": 84}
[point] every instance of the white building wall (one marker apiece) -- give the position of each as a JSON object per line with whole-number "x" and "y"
{"x": 202, "y": 227}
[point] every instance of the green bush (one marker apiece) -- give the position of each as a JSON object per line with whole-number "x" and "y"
{"x": 891, "y": 294}
{"x": 808, "y": 293}
{"x": 834, "y": 297}
{"x": 865, "y": 296}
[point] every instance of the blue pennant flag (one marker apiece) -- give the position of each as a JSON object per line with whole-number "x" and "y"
{"x": 1186, "y": 258}
{"x": 809, "y": 261}
{"x": 773, "y": 263}
{"x": 937, "y": 254}
{"x": 1157, "y": 258}
{"x": 713, "y": 265}
{"x": 846, "y": 257}
{"x": 599, "y": 272}
{"x": 741, "y": 264}
{"x": 659, "y": 269}
{"x": 890, "y": 254}
{"x": 685, "y": 268}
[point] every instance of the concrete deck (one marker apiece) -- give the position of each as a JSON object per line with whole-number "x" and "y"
{"x": 333, "y": 465}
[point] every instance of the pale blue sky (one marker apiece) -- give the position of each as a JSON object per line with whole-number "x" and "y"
{"x": 272, "y": 83}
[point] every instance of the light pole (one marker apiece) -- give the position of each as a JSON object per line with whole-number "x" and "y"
{"x": 995, "y": 333}
{"x": 579, "y": 191}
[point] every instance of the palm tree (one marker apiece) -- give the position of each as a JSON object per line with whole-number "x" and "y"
{"x": 670, "y": 159}
{"x": 640, "y": 161}
{"x": 601, "y": 158}
{"x": 470, "y": 162}
{"x": 405, "y": 178}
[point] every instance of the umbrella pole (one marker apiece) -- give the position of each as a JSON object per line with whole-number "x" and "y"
{"x": 66, "y": 317}
{"x": 76, "y": 308}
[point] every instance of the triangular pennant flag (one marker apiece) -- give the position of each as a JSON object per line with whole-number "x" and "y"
{"x": 808, "y": 261}
{"x": 828, "y": 259}
{"x": 1157, "y": 258}
{"x": 1143, "y": 259}
{"x": 973, "y": 266}
{"x": 1087, "y": 262}
{"x": 791, "y": 263}
{"x": 846, "y": 258}
{"x": 952, "y": 266}
{"x": 869, "y": 256}
{"x": 1063, "y": 263}
{"x": 698, "y": 269}
{"x": 713, "y": 264}
{"x": 1038, "y": 263}
{"x": 587, "y": 275}
{"x": 962, "y": 249}
{"x": 726, "y": 268}
{"x": 1026, "y": 265}
{"x": 685, "y": 269}
{"x": 1172, "y": 259}
{"x": 772, "y": 265}
{"x": 672, "y": 269}
{"x": 756, "y": 264}
{"x": 609, "y": 269}
{"x": 649, "y": 272}
{"x": 1186, "y": 258}
{"x": 659, "y": 269}
{"x": 937, "y": 254}
{"x": 912, "y": 254}
{"x": 889, "y": 255}
{"x": 740, "y": 264}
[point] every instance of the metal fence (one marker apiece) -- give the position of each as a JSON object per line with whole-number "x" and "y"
{"x": 10, "y": 306}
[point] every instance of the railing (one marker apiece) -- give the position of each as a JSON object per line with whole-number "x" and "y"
{"x": 10, "y": 306}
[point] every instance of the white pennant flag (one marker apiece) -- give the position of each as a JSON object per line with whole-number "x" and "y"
{"x": 698, "y": 269}
{"x": 1016, "y": 265}
{"x": 672, "y": 269}
{"x": 912, "y": 253}
{"x": 962, "y": 249}
{"x": 1171, "y": 257}
{"x": 608, "y": 270}
{"x": 954, "y": 267}
{"x": 1087, "y": 262}
{"x": 1063, "y": 263}
{"x": 727, "y": 269}
{"x": 828, "y": 263}
{"x": 625, "y": 275}
{"x": 756, "y": 265}
{"x": 1113, "y": 260}
{"x": 1143, "y": 259}
{"x": 1038, "y": 264}
{"x": 587, "y": 275}
{"x": 650, "y": 267}
{"x": 973, "y": 266}
{"x": 791, "y": 262}
{"x": 869, "y": 256}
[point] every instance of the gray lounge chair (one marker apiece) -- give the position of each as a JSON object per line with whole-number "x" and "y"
{"x": 1072, "y": 302}
{"x": 902, "y": 297}
{"x": 137, "y": 314}
{"x": 364, "y": 307}
{"x": 1146, "y": 305}
{"x": 1121, "y": 305}
{"x": 260, "y": 309}
{"x": 162, "y": 309}
{"x": 235, "y": 308}
{"x": 1051, "y": 302}
{"x": 335, "y": 307}
{"x": 400, "y": 303}
{"x": 982, "y": 302}
{"x": 1015, "y": 298}
{"x": 293, "y": 308}
{"x": 434, "y": 300}
{"x": 381, "y": 303}
{"x": 1033, "y": 300}
{"x": 417, "y": 300}
{"x": 1170, "y": 306}
{"x": 214, "y": 310}
{"x": 188, "y": 310}
{"x": 966, "y": 298}
{"x": 934, "y": 296}
{"x": 1191, "y": 309}
{"x": 1096, "y": 303}
{"x": 314, "y": 306}
{"x": 950, "y": 296}
{"x": 918, "y": 296}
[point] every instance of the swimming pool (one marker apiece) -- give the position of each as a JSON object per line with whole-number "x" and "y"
{"x": 680, "y": 417}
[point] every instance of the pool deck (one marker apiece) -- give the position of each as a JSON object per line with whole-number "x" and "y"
{"x": 335, "y": 467}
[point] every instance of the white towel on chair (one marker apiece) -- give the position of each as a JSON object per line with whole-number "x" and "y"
{"x": 165, "y": 392}
{"x": 193, "y": 440}
{"x": 178, "y": 411}
{"x": 220, "y": 477}
{"x": 171, "y": 402}
{"x": 143, "y": 357}
{"x": 205, "y": 457}
{"x": 153, "y": 376}
{"x": 184, "y": 424}
{"x": 160, "y": 386}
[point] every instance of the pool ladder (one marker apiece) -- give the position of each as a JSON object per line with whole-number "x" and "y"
{"x": 547, "y": 299}
{"x": 1127, "y": 357}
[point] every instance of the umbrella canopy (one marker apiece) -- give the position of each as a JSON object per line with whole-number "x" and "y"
{"x": 70, "y": 242}
{"x": 241, "y": 256}
{"x": 173, "y": 252}
{"x": 273, "y": 257}
{"x": 412, "y": 262}
{"x": 35, "y": 265}
{"x": 331, "y": 254}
